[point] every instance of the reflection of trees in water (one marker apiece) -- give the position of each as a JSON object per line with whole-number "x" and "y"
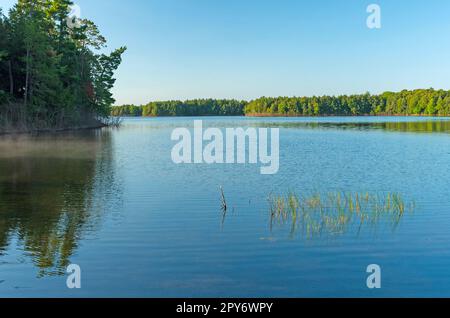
{"x": 424, "y": 126}
{"x": 431, "y": 126}
{"x": 51, "y": 192}
{"x": 442, "y": 126}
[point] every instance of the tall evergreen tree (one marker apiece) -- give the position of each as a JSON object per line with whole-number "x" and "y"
{"x": 50, "y": 75}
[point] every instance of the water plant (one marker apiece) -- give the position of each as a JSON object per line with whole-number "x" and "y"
{"x": 223, "y": 205}
{"x": 223, "y": 201}
{"x": 335, "y": 213}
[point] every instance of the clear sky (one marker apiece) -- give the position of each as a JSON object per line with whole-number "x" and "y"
{"x": 180, "y": 49}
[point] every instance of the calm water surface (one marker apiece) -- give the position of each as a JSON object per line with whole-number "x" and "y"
{"x": 113, "y": 202}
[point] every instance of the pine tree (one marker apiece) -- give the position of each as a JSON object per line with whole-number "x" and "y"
{"x": 49, "y": 72}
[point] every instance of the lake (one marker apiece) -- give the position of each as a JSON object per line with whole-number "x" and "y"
{"x": 138, "y": 225}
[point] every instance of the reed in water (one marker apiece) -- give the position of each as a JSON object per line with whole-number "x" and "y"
{"x": 336, "y": 212}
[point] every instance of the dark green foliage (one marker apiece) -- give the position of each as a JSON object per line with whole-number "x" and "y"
{"x": 50, "y": 76}
{"x": 197, "y": 107}
{"x": 126, "y": 111}
{"x": 416, "y": 102}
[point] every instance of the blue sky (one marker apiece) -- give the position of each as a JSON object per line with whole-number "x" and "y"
{"x": 180, "y": 49}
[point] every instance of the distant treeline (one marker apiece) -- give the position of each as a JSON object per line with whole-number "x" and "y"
{"x": 197, "y": 107}
{"x": 416, "y": 102}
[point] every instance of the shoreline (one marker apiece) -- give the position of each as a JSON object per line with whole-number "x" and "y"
{"x": 267, "y": 115}
{"x": 318, "y": 116}
{"x": 12, "y": 132}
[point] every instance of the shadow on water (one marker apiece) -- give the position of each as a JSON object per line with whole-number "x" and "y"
{"x": 50, "y": 187}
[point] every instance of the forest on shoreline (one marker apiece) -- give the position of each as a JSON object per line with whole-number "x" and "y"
{"x": 425, "y": 102}
{"x": 53, "y": 74}
{"x": 195, "y": 107}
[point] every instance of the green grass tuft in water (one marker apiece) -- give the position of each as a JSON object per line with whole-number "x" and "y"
{"x": 336, "y": 212}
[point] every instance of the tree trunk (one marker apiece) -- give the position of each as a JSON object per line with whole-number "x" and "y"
{"x": 27, "y": 78}
{"x": 11, "y": 79}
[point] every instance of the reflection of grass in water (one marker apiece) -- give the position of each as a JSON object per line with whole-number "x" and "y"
{"x": 334, "y": 213}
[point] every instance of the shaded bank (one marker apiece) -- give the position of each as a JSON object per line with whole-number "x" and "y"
{"x": 27, "y": 130}
{"x": 88, "y": 124}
